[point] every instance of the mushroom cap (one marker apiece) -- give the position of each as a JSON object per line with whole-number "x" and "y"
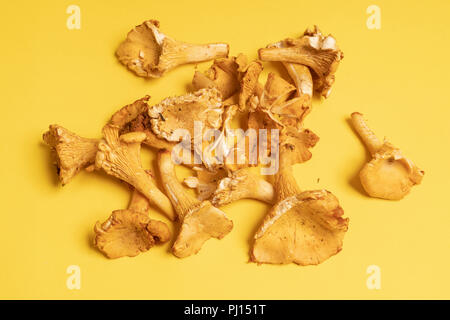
{"x": 141, "y": 50}
{"x": 222, "y": 75}
{"x": 71, "y": 153}
{"x": 128, "y": 233}
{"x": 202, "y": 223}
{"x": 204, "y": 106}
{"x": 389, "y": 175}
{"x": 305, "y": 229}
{"x": 295, "y": 145}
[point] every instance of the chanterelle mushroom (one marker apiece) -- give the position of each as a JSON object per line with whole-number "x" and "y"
{"x": 71, "y": 152}
{"x": 305, "y": 228}
{"x": 131, "y": 231}
{"x": 120, "y": 156}
{"x": 314, "y": 50}
{"x": 200, "y": 220}
{"x": 389, "y": 175}
{"x": 242, "y": 184}
{"x": 150, "y": 53}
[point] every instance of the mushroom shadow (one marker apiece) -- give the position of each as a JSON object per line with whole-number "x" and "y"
{"x": 50, "y": 166}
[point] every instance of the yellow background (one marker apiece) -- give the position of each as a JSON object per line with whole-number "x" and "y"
{"x": 397, "y": 76}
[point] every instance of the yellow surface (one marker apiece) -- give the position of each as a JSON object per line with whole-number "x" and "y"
{"x": 397, "y": 76}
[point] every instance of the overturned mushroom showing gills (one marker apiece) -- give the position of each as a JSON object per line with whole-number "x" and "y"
{"x": 150, "y": 53}
{"x": 121, "y": 158}
{"x": 131, "y": 231}
{"x": 200, "y": 220}
{"x": 389, "y": 175}
{"x": 305, "y": 228}
{"x": 242, "y": 184}
{"x": 71, "y": 152}
{"x": 314, "y": 50}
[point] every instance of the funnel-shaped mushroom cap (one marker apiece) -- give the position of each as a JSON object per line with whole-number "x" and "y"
{"x": 295, "y": 145}
{"x": 150, "y": 53}
{"x": 128, "y": 233}
{"x": 305, "y": 229}
{"x": 71, "y": 152}
{"x": 199, "y": 225}
{"x": 389, "y": 175}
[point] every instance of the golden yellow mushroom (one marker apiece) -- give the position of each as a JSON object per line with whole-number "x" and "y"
{"x": 389, "y": 175}
{"x": 305, "y": 228}
{"x": 200, "y": 220}
{"x": 150, "y": 53}
{"x": 131, "y": 231}
{"x": 120, "y": 157}
{"x": 314, "y": 50}
{"x": 71, "y": 153}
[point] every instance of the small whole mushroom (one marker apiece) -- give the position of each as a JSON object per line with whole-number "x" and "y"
{"x": 389, "y": 175}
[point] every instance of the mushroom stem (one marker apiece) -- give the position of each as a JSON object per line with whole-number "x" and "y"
{"x": 176, "y": 53}
{"x": 71, "y": 152}
{"x": 285, "y": 184}
{"x": 203, "y": 52}
{"x": 317, "y": 61}
{"x": 181, "y": 200}
{"x": 369, "y": 138}
{"x": 302, "y": 78}
{"x": 120, "y": 157}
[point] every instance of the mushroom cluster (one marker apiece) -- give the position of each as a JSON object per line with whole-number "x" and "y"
{"x": 302, "y": 227}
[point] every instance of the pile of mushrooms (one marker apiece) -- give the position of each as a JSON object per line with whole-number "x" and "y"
{"x": 302, "y": 227}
